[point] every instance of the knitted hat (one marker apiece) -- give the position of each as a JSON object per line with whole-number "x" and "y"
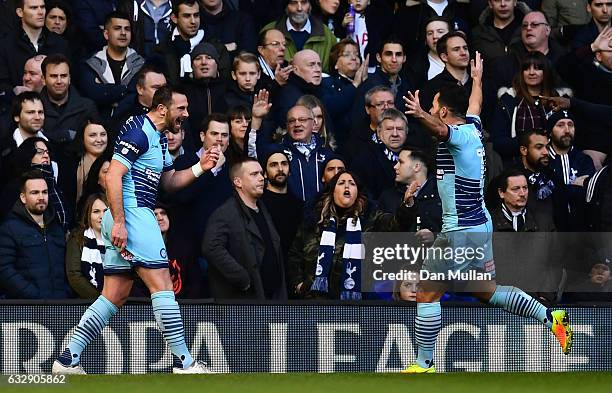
{"x": 555, "y": 117}
{"x": 205, "y": 48}
{"x": 269, "y": 151}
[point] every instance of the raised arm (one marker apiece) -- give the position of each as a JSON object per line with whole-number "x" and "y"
{"x": 476, "y": 69}
{"x": 434, "y": 125}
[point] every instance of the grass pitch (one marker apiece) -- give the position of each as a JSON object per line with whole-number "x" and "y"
{"x": 576, "y": 382}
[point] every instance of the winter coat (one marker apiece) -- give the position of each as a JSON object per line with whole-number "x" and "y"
{"x": 89, "y": 15}
{"x": 98, "y": 81}
{"x": 321, "y": 40}
{"x": 208, "y": 97}
{"x": 374, "y": 169}
{"x": 62, "y": 126}
{"x": 32, "y": 258}
{"x": 288, "y": 95}
{"x": 230, "y": 26}
{"x": 234, "y": 265}
{"x": 146, "y": 34}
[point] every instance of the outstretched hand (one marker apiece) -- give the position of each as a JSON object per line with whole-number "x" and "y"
{"x": 210, "y": 157}
{"x": 413, "y": 105}
{"x": 477, "y": 66}
{"x": 410, "y": 191}
{"x": 261, "y": 106}
{"x": 603, "y": 42}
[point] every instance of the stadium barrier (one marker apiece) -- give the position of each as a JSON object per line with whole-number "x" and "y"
{"x": 303, "y": 337}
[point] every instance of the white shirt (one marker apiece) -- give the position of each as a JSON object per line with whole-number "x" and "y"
{"x": 439, "y": 8}
{"x": 19, "y": 138}
{"x": 307, "y": 27}
{"x": 360, "y": 36}
{"x": 436, "y": 66}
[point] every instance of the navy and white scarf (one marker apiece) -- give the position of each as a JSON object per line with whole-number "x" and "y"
{"x": 544, "y": 185}
{"x": 390, "y": 155}
{"x": 352, "y": 255}
{"x": 306, "y": 148}
{"x": 92, "y": 257}
{"x": 517, "y": 219}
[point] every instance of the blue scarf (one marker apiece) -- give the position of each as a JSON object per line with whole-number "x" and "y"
{"x": 352, "y": 255}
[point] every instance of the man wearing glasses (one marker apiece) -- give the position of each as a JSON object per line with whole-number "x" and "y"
{"x": 274, "y": 69}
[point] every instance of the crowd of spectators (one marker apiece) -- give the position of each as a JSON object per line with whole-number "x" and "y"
{"x": 306, "y": 103}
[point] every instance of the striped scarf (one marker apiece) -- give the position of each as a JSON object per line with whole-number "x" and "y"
{"x": 91, "y": 259}
{"x": 390, "y": 155}
{"x": 352, "y": 255}
{"x": 517, "y": 219}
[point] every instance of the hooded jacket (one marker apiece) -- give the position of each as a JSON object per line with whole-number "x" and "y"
{"x": 98, "y": 81}
{"x": 31, "y": 257}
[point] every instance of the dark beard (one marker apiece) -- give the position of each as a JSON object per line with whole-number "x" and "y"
{"x": 278, "y": 184}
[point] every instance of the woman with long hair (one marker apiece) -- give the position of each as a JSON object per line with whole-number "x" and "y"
{"x": 519, "y": 108}
{"x": 240, "y": 118}
{"x": 326, "y": 255}
{"x": 319, "y": 127}
{"x": 85, "y": 249}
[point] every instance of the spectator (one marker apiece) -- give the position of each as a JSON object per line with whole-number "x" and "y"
{"x": 371, "y": 27}
{"x": 32, "y": 246}
{"x": 175, "y": 143}
{"x": 301, "y": 31}
{"x": 206, "y": 90}
{"x": 320, "y": 118}
{"x": 414, "y": 165}
{"x": 305, "y": 79}
{"x": 411, "y": 18}
{"x": 58, "y": 17}
{"x": 195, "y": 203}
{"x": 187, "y": 34}
{"x": 340, "y": 89}
{"x": 232, "y": 28}
{"x": 600, "y": 11}
{"x": 511, "y": 214}
{"x": 391, "y": 58}
{"x": 454, "y": 53}
{"x": 547, "y": 195}
{"x": 535, "y": 37}
{"x": 109, "y": 76}
{"x": 328, "y": 12}
{"x": 406, "y": 290}
{"x": 32, "y": 76}
{"x": 246, "y": 74}
{"x": 30, "y": 38}
{"x": 331, "y": 167}
{"x": 376, "y": 161}
{"x": 96, "y": 180}
{"x": 89, "y": 16}
{"x": 565, "y": 12}
{"x": 519, "y": 108}
{"x": 66, "y": 111}
{"x": 599, "y": 201}
{"x": 285, "y": 209}
{"x": 499, "y": 27}
{"x": 250, "y": 265}
{"x": 427, "y": 64}
{"x": 274, "y": 69}
{"x": 90, "y": 143}
{"x": 148, "y": 80}
{"x": 151, "y": 23}
{"x": 306, "y": 151}
{"x": 85, "y": 250}
{"x": 316, "y": 265}
{"x": 239, "y": 118}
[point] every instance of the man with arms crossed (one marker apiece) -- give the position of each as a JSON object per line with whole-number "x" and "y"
{"x": 131, "y": 236}
{"x": 465, "y": 219}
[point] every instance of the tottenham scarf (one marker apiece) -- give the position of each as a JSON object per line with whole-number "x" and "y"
{"x": 92, "y": 258}
{"x": 352, "y": 255}
{"x": 517, "y": 219}
{"x": 389, "y": 155}
{"x": 543, "y": 184}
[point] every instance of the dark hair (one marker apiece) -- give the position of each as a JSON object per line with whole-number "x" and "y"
{"x": 455, "y": 98}
{"x": 443, "y": 19}
{"x": 237, "y": 165}
{"x": 218, "y": 117}
{"x": 91, "y": 185}
{"x": 392, "y": 39}
{"x": 24, "y": 154}
{"x": 326, "y": 208}
{"x": 142, "y": 74}
{"x": 32, "y": 174}
{"x": 441, "y": 45}
{"x": 238, "y": 112}
{"x": 116, "y": 15}
{"x": 337, "y": 49}
{"x": 540, "y": 62}
{"x": 54, "y": 59}
{"x": 79, "y": 140}
{"x": 85, "y": 215}
{"x": 420, "y": 156}
{"x": 177, "y": 3}
{"x": 525, "y": 137}
{"x": 66, "y": 8}
{"x": 502, "y": 179}
{"x": 18, "y": 101}
{"x": 163, "y": 95}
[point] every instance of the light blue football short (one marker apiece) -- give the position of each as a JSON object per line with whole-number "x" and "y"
{"x": 145, "y": 245}
{"x": 462, "y": 251}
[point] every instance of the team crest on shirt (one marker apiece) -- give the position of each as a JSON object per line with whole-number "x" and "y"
{"x": 163, "y": 253}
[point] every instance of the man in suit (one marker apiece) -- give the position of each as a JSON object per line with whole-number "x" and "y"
{"x": 250, "y": 266}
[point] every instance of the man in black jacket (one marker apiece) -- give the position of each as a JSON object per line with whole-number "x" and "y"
{"x": 66, "y": 111}
{"x": 32, "y": 246}
{"x": 250, "y": 265}
{"x": 234, "y": 29}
